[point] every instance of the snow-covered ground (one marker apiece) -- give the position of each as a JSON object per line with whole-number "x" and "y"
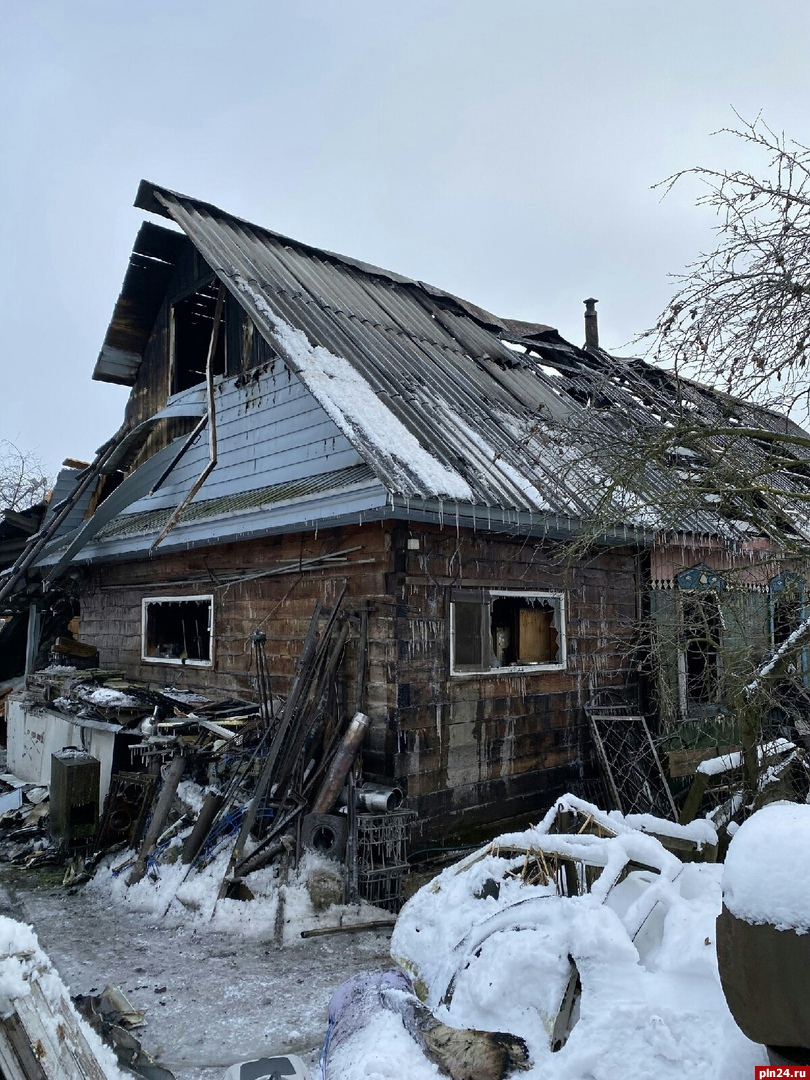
{"x": 213, "y": 996}
{"x": 489, "y": 942}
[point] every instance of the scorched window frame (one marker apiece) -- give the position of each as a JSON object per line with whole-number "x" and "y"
{"x": 485, "y": 599}
{"x": 177, "y": 661}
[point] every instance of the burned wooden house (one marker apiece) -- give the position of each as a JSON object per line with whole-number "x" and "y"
{"x": 299, "y": 422}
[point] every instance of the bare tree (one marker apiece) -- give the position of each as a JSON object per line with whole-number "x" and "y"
{"x": 740, "y": 319}
{"x": 22, "y": 477}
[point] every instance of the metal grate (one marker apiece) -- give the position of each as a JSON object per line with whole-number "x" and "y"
{"x": 629, "y": 761}
{"x": 128, "y": 802}
{"x": 382, "y": 856}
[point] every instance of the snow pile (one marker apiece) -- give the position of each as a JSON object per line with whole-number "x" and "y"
{"x": 106, "y": 698}
{"x": 491, "y": 945}
{"x": 22, "y": 963}
{"x": 767, "y": 868}
{"x": 282, "y": 906}
{"x": 353, "y": 405}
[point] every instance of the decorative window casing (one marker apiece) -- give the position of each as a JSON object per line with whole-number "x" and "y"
{"x": 505, "y": 631}
{"x": 178, "y": 630}
{"x": 788, "y": 610}
{"x": 788, "y": 606}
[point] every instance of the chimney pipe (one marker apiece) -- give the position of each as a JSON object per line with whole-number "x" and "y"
{"x": 591, "y": 324}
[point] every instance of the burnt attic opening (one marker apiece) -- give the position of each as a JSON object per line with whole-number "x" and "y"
{"x": 192, "y": 325}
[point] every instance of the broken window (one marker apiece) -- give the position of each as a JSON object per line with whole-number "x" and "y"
{"x": 701, "y": 634}
{"x": 788, "y": 606}
{"x": 192, "y": 324}
{"x": 519, "y": 631}
{"x": 177, "y": 629}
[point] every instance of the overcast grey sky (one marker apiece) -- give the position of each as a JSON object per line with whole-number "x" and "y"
{"x": 503, "y": 151}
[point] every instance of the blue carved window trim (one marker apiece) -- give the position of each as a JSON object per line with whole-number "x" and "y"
{"x": 778, "y": 589}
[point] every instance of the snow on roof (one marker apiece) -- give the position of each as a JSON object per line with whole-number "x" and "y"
{"x": 355, "y": 408}
{"x": 406, "y": 371}
{"x": 767, "y": 868}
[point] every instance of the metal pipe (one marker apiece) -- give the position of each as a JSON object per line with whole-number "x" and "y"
{"x": 343, "y": 760}
{"x": 158, "y": 822}
{"x": 378, "y": 799}
{"x": 374, "y": 798}
{"x": 202, "y": 826}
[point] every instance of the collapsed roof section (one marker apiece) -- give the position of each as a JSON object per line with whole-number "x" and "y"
{"x": 451, "y": 410}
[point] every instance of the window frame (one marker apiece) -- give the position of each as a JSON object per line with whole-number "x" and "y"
{"x": 177, "y": 661}
{"x": 485, "y": 597}
{"x": 693, "y": 585}
{"x": 778, "y": 586}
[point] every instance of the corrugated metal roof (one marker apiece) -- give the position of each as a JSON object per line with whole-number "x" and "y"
{"x": 443, "y": 399}
{"x": 152, "y": 521}
{"x": 64, "y": 486}
{"x": 151, "y": 266}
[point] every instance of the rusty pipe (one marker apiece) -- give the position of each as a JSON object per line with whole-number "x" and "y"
{"x": 202, "y": 826}
{"x": 174, "y": 775}
{"x": 343, "y": 760}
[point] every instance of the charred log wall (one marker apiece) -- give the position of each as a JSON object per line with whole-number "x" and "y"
{"x": 474, "y": 749}
{"x": 469, "y": 750}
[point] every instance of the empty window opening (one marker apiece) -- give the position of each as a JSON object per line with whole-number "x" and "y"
{"x": 177, "y": 630}
{"x": 192, "y": 323}
{"x": 701, "y": 631}
{"x": 514, "y": 631}
{"x": 788, "y": 606}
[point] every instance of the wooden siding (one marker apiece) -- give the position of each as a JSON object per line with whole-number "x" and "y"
{"x": 473, "y": 749}
{"x": 282, "y": 606}
{"x": 245, "y": 349}
{"x": 470, "y": 751}
{"x": 270, "y": 430}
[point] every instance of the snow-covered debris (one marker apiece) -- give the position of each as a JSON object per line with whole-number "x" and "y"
{"x": 767, "y": 868}
{"x": 613, "y": 822}
{"x": 282, "y": 907}
{"x": 106, "y": 698}
{"x": 700, "y": 831}
{"x": 496, "y": 943}
{"x": 31, "y": 988}
{"x": 726, "y": 762}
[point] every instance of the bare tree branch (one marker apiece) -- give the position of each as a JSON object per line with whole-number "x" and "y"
{"x": 22, "y": 477}
{"x": 741, "y": 316}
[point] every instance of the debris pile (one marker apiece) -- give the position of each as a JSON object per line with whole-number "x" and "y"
{"x": 581, "y": 947}
{"x": 41, "y": 1035}
{"x": 188, "y": 777}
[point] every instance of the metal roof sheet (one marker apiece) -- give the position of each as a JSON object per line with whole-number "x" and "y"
{"x": 151, "y": 266}
{"x": 328, "y": 499}
{"x": 510, "y": 414}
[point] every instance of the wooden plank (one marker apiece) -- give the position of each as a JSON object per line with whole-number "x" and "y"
{"x": 685, "y": 762}
{"x": 58, "y": 1047}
